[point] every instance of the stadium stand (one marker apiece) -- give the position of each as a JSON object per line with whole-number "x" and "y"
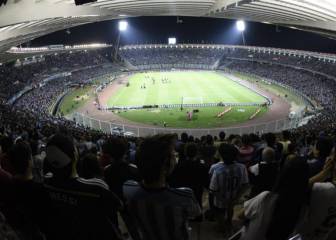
{"x": 301, "y": 201}
{"x": 15, "y": 76}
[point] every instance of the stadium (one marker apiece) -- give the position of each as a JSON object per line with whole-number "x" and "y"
{"x": 170, "y": 95}
{"x": 147, "y": 120}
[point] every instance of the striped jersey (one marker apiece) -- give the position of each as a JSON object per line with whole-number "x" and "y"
{"x": 83, "y": 209}
{"x": 226, "y": 181}
{"x": 161, "y": 214}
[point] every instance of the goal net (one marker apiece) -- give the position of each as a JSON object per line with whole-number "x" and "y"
{"x": 192, "y": 100}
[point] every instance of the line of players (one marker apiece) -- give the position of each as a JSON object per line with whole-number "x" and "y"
{"x": 164, "y": 80}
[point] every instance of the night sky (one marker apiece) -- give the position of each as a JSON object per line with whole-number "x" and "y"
{"x": 193, "y": 30}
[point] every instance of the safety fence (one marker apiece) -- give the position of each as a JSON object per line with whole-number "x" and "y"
{"x": 187, "y": 105}
{"x": 139, "y": 131}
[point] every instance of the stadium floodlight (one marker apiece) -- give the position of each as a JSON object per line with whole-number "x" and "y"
{"x": 171, "y": 41}
{"x": 240, "y": 25}
{"x": 123, "y": 26}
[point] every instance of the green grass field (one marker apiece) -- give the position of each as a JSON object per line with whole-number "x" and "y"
{"x": 192, "y": 86}
{"x": 74, "y": 100}
{"x": 205, "y": 118}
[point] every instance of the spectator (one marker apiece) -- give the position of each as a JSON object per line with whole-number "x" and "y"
{"x": 26, "y": 204}
{"x": 221, "y": 139}
{"x": 82, "y": 209}
{"x": 208, "y": 151}
{"x": 246, "y": 151}
{"x": 154, "y": 204}
{"x": 5, "y": 177}
{"x": 118, "y": 171}
{"x": 6, "y": 232}
{"x": 285, "y": 141}
{"x": 89, "y": 167}
{"x": 228, "y": 182}
{"x": 274, "y": 215}
{"x": 319, "y": 220}
{"x": 321, "y": 151}
{"x": 237, "y": 142}
{"x": 38, "y": 160}
{"x": 6, "y": 144}
{"x": 191, "y": 173}
{"x": 270, "y": 140}
{"x": 291, "y": 151}
{"x": 265, "y": 172}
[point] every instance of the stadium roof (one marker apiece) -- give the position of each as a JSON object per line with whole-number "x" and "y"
{"x": 23, "y": 20}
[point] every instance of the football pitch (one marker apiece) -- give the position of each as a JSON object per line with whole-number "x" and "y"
{"x": 187, "y": 87}
{"x": 190, "y": 87}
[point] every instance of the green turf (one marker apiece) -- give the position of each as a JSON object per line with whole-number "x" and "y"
{"x": 71, "y": 102}
{"x": 193, "y": 86}
{"x": 197, "y": 86}
{"x": 206, "y": 118}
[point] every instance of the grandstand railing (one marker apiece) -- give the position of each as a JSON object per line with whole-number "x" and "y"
{"x": 142, "y": 131}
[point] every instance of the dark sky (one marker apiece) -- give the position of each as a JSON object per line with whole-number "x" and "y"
{"x": 192, "y": 30}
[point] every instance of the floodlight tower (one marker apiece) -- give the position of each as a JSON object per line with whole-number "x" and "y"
{"x": 122, "y": 27}
{"x": 241, "y": 28}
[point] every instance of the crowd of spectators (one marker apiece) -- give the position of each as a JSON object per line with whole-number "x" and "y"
{"x": 277, "y": 57}
{"x": 15, "y": 78}
{"x": 40, "y": 99}
{"x": 59, "y": 180}
{"x": 163, "y": 56}
{"x": 208, "y": 55}
{"x": 317, "y": 87}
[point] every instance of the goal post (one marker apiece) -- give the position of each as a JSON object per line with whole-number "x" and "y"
{"x": 192, "y": 100}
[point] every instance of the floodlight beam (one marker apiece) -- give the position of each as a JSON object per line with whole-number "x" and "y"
{"x": 240, "y": 24}
{"x": 122, "y": 26}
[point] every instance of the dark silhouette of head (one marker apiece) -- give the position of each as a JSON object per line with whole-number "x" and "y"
{"x": 222, "y": 136}
{"x": 190, "y": 151}
{"x": 323, "y": 147}
{"x": 61, "y": 155}
{"x": 228, "y": 153}
{"x": 184, "y": 137}
{"x": 20, "y": 158}
{"x": 156, "y": 157}
{"x": 115, "y": 148}
{"x": 245, "y": 140}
